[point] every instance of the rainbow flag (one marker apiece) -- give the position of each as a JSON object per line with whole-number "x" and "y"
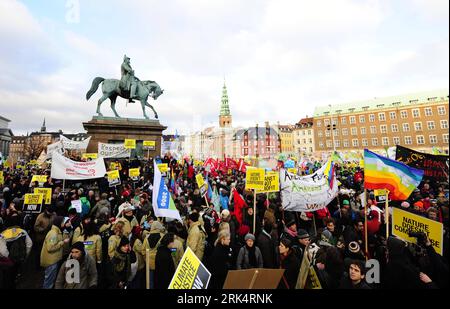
{"x": 384, "y": 173}
{"x": 329, "y": 172}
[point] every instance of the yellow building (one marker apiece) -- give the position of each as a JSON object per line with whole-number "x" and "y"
{"x": 286, "y": 138}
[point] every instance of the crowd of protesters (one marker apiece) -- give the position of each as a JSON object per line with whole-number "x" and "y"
{"x": 116, "y": 226}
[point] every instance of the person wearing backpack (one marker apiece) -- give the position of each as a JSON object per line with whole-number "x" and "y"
{"x": 18, "y": 244}
{"x": 152, "y": 242}
{"x": 52, "y": 251}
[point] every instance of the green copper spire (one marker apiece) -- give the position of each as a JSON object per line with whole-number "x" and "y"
{"x": 224, "y": 108}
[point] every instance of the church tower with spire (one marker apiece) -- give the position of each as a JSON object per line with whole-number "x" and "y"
{"x": 225, "y": 119}
{"x": 43, "y": 128}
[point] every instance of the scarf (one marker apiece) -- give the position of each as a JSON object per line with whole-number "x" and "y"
{"x": 251, "y": 256}
{"x": 292, "y": 233}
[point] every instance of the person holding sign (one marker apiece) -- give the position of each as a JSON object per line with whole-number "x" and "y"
{"x": 164, "y": 265}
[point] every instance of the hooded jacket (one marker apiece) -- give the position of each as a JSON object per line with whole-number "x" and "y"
{"x": 88, "y": 275}
{"x": 52, "y": 250}
{"x": 196, "y": 239}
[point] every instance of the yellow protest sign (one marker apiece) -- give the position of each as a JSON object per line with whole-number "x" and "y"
{"x": 163, "y": 167}
{"x": 130, "y": 143}
{"x": 292, "y": 170}
{"x": 272, "y": 182}
{"x": 2, "y": 180}
{"x": 33, "y": 199}
{"x": 255, "y": 179}
{"x": 381, "y": 192}
{"x": 200, "y": 180}
{"x": 7, "y": 164}
{"x": 39, "y": 178}
{"x": 149, "y": 144}
{"x": 46, "y": 192}
{"x": 33, "y": 162}
{"x": 361, "y": 163}
{"x": 113, "y": 175}
{"x": 404, "y": 222}
{"x": 134, "y": 172}
{"x": 1, "y": 174}
{"x": 89, "y": 156}
{"x": 190, "y": 273}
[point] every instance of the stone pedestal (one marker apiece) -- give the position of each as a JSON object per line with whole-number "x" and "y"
{"x": 116, "y": 130}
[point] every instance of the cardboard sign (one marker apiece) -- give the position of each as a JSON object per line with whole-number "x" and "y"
{"x": 39, "y": 178}
{"x": 46, "y": 192}
{"x": 163, "y": 167}
{"x": 272, "y": 182}
{"x": 130, "y": 143}
{"x": 149, "y": 144}
{"x": 200, "y": 180}
{"x": 77, "y": 205}
{"x": 89, "y": 156}
{"x": 404, "y": 222}
{"x": 256, "y": 278}
{"x": 113, "y": 178}
{"x": 190, "y": 273}
{"x": 33, "y": 203}
{"x": 380, "y": 195}
{"x": 134, "y": 172}
{"x": 255, "y": 179}
{"x": 292, "y": 170}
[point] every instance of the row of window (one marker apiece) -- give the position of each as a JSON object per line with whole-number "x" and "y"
{"x": 384, "y": 129}
{"x": 441, "y": 110}
{"x": 304, "y": 141}
{"x": 420, "y": 140}
{"x": 304, "y": 132}
{"x": 267, "y": 150}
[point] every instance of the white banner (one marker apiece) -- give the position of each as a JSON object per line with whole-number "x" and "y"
{"x": 64, "y": 168}
{"x": 113, "y": 151}
{"x": 306, "y": 193}
{"x": 70, "y": 144}
{"x": 55, "y": 147}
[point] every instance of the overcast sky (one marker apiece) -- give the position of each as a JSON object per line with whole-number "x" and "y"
{"x": 280, "y": 58}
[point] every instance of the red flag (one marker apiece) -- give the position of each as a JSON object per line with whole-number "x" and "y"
{"x": 239, "y": 204}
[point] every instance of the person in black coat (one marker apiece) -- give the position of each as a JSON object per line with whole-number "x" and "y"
{"x": 103, "y": 184}
{"x": 267, "y": 245}
{"x": 400, "y": 272}
{"x": 164, "y": 264}
{"x": 290, "y": 263}
{"x": 221, "y": 261}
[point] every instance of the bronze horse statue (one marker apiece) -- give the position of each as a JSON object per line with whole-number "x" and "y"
{"x": 111, "y": 89}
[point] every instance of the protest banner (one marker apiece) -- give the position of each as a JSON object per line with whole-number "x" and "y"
{"x": 255, "y": 179}
{"x": 271, "y": 182}
{"x": 39, "y": 178}
{"x": 55, "y": 147}
{"x": 113, "y": 178}
{"x": 404, "y": 222}
{"x": 307, "y": 277}
{"x": 134, "y": 173}
{"x": 89, "y": 156}
{"x": 70, "y": 144}
{"x": 46, "y": 192}
{"x": 435, "y": 167}
{"x": 32, "y": 203}
{"x": 64, "y": 168}
{"x": 115, "y": 151}
{"x": 306, "y": 193}
{"x": 255, "y": 278}
{"x": 190, "y": 273}
{"x": 380, "y": 195}
{"x": 130, "y": 143}
{"x": 77, "y": 205}
{"x": 202, "y": 185}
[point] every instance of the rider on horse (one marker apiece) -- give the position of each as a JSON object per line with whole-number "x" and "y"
{"x": 128, "y": 79}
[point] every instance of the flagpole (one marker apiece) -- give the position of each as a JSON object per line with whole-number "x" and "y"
{"x": 386, "y": 217}
{"x": 254, "y": 212}
{"x": 365, "y": 225}
{"x": 147, "y": 268}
